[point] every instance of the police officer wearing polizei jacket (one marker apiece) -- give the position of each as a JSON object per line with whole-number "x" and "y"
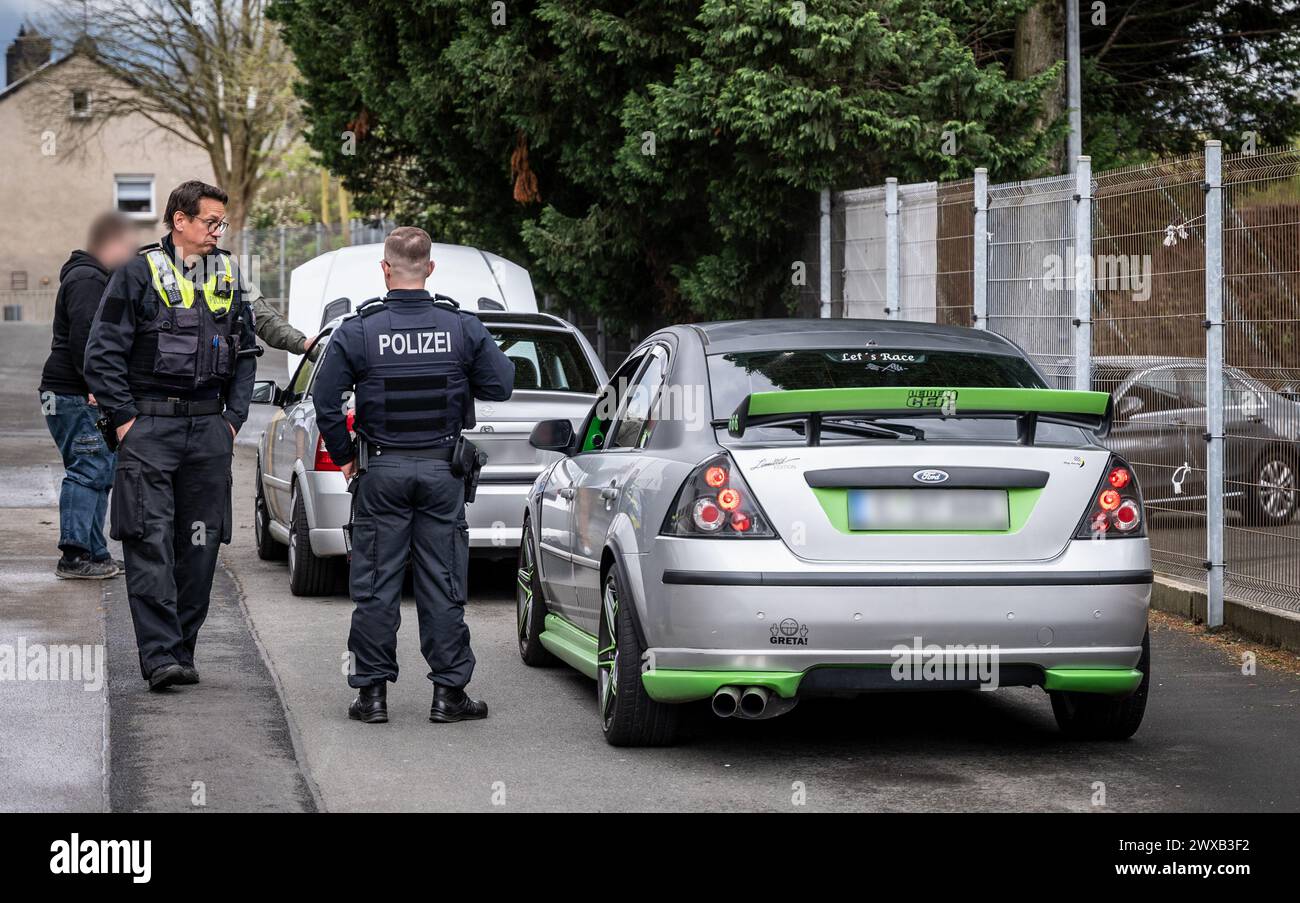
{"x": 163, "y": 361}
{"x": 416, "y": 366}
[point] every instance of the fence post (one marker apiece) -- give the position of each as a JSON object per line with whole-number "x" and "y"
{"x": 980, "y": 275}
{"x": 246, "y": 262}
{"x": 824, "y": 255}
{"x": 1214, "y": 475}
{"x": 892, "y": 293}
{"x": 1083, "y": 273}
{"x": 281, "y": 270}
{"x": 320, "y": 238}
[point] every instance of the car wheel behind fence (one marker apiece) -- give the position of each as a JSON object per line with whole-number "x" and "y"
{"x": 1274, "y": 493}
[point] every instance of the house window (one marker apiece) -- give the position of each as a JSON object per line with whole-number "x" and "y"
{"x": 80, "y": 104}
{"x": 133, "y": 196}
{"x": 18, "y": 280}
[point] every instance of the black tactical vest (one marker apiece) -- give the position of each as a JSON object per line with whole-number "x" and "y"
{"x": 414, "y": 390}
{"x": 189, "y": 348}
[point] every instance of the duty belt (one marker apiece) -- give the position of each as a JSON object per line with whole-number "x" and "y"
{"x": 438, "y": 453}
{"x": 179, "y": 407}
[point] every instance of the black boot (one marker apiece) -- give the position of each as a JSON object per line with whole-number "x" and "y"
{"x": 165, "y": 676}
{"x": 371, "y": 704}
{"x": 453, "y": 704}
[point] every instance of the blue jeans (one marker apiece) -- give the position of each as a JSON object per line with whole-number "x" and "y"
{"x": 88, "y": 466}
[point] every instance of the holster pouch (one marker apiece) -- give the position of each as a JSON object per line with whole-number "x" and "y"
{"x": 466, "y": 463}
{"x": 106, "y": 429}
{"x": 362, "y": 455}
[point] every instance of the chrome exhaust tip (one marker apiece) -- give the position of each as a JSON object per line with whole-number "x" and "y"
{"x": 726, "y": 701}
{"x": 753, "y": 701}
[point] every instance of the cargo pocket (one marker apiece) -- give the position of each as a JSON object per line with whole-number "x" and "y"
{"x": 460, "y": 564}
{"x": 126, "y": 511}
{"x": 176, "y": 354}
{"x": 228, "y": 516}
{"x": 223, "y": 356}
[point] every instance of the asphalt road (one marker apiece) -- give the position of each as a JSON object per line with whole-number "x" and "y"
{"x": 1213, "y": 739}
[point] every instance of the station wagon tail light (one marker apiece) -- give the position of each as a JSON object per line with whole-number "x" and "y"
{"x": 1116, "y": 506}
{"x": 323, "y": 460}
{"x": 716, "y": 501}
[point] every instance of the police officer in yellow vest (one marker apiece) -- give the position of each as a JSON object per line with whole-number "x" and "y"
{"x": 163, "y": 362}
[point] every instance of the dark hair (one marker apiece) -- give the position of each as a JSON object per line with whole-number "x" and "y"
{"x": 107, "y": 227}
{"x": 185, "y": 197}
{"x": 407, "y": 251}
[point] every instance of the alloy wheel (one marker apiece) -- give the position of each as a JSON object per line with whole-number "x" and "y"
{"x": 1277, "y": 492}
{"x": 524, "y": 588}
{"x": 607, "y": 653}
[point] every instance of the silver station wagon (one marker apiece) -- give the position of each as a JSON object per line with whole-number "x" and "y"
{"x": 302, "y": 501}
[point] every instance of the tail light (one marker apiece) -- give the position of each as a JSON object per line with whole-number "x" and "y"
{"x": 323, "y": 460}
{"x": 1116, "y": 506}
{"x": 715, "y": 500}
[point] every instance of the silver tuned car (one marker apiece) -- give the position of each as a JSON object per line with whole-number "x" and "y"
{"x": 757, "y": 512}
{"x": 302, "y": 502}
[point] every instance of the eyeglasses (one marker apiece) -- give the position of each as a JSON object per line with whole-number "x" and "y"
{"x": 214, "y": 226}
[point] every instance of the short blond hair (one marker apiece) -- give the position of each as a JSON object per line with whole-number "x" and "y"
{"x": 407, "y": 251}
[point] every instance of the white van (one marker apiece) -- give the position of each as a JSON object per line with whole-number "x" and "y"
{"x": 338, "y": 282}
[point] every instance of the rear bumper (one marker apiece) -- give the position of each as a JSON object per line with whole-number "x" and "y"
{"x": 664, "y": 685}
{"x": 1085, "y": 610}
{"x": 495, "y": 518}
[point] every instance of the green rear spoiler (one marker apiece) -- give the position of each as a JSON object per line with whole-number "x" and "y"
{"x": 1089, "y": 410}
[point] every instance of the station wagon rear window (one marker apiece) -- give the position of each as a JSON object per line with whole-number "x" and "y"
{"x": 547, "y": 360}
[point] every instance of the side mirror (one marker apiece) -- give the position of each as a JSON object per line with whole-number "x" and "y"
{"x": 1129, "y": 405}
{"x": 552, "y": 435}
{"x": 265, "y": 391}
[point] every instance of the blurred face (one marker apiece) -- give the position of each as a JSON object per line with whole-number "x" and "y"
{"x": 199, "y": 234}
{"x": 116, "y": 251}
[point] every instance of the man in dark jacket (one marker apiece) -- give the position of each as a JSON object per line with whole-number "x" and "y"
{"x": 69, "y": 408}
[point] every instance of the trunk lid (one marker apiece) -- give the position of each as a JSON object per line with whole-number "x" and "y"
{"x": 503, "y": 429}
{"x": 1048, "y": 489}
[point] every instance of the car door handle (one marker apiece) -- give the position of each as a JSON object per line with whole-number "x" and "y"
{"x": 565, "y": 492}
{"x": 609, "y": 492}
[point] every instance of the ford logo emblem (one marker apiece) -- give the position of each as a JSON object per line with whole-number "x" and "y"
{"x": 930, "y": 476}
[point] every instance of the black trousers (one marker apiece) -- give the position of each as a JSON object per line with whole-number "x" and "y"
{"x": 409, "y": 508}
{"x": 171, "y": 509}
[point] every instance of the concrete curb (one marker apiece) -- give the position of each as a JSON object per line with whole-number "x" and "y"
{"x": 1267, "y": 625}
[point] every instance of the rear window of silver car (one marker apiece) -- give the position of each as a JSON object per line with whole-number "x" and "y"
{"x": 734, "y": 375}
{"x": 549, "y": 360}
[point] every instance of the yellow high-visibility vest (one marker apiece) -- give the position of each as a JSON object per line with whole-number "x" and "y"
{"x": 175, "y": 288}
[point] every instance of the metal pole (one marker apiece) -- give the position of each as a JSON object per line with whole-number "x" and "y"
{"x": 1083, "y": 272}
{"x": 980, "y": 287}
{"x": 320, "y": 238}
{"x": 283, "y": 293}
{"x": 892, "y": 284}
{"x": 1072, "y": 83}
{"x": 1214, "y": 476}
{"x": 824, "y": 255}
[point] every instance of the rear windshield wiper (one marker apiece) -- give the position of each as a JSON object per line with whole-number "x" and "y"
{"x": 894, "y": 429}
{"x": 870, "y": 428}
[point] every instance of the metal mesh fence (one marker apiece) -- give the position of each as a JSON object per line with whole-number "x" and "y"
{"x": 1031, "y": 271}
{"x": 1261, "y": 253}
{"x": 1148, "y": 343}
{"x": 863, "y": 267}
{"x": 1148, "y": 328}
{"x": 272, "y": 254}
